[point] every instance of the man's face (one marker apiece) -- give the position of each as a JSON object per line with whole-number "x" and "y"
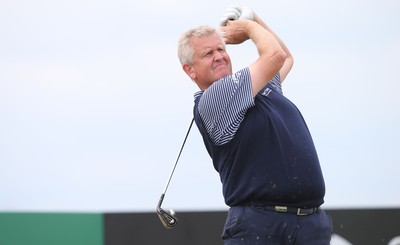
{"x": 210, "y": 61}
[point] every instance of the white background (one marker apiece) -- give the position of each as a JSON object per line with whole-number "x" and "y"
{"x": 94, "y": 105}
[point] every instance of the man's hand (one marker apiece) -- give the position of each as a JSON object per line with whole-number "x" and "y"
{"x": 235, "y": 12}
{"x": 235, "y": 32}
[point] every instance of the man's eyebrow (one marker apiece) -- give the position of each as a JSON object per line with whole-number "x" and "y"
{"x": 205, "y": 51}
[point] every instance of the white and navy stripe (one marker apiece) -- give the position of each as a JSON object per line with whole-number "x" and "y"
{"x": 223, "y": 105}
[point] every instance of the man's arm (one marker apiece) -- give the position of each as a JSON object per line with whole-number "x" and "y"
{"x": 271, "y": 55}
{"x": 235, "y": 12}
{"x": 287, "y": 66}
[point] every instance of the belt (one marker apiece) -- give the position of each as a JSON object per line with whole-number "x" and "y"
{"x": 291, "y": 210}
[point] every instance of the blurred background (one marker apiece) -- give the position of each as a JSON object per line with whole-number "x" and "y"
{"x": 94, "y": 104}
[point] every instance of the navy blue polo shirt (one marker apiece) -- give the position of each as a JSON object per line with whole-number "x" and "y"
{"x": 260, "y": 146}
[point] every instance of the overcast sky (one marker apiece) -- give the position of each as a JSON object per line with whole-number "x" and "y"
{"x": 94, "y": 105}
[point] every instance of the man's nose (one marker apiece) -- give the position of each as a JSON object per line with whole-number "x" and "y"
{"x": 218, "y": 56}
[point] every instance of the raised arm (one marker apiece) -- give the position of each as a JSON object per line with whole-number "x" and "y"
{"x": 287, "y": 66}
{"x": 271, "y": 55}
{"x": 235, "y": 12}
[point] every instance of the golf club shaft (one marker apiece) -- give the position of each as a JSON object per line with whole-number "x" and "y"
{"x": 177, "y": 159}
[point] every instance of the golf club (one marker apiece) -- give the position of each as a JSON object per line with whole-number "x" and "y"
{"x": 168, "y": 219}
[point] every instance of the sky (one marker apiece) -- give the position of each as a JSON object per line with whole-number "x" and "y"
{"x": 94, "y": 105}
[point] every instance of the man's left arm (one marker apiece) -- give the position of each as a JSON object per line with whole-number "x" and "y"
{"x": 287, "y": 66}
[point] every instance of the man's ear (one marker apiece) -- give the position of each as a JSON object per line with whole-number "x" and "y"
{"x": 189, "y": 71}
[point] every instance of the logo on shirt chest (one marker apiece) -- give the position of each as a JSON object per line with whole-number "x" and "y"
{"x": 236, "y": 77}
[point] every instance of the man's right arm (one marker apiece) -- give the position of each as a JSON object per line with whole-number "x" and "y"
{"x": 271, "y": 54}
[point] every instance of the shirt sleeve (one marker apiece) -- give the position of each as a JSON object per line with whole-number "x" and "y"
{"x": 276, "y": 83}
{"x": 223, "y": 105}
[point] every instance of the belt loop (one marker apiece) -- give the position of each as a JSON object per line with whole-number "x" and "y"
{"x": 299, "y": 213}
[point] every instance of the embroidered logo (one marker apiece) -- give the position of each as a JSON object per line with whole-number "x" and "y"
{"x": 235, "y": 77}
{"x": 266, "y": 92}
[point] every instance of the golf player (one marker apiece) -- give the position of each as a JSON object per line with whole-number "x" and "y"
{"x": 258, "y": 140}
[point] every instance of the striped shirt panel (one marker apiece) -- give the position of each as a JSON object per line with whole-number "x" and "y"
{"x": 276, "y": 83}
{"x": 223, "y": 105}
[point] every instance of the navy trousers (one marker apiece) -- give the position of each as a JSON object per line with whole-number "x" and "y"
{"x": 258, "y": 226}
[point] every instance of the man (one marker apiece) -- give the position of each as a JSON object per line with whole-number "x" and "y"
{"x": 257, "y": 139}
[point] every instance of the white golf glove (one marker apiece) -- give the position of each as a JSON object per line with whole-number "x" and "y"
{"x": 235, "y": 12}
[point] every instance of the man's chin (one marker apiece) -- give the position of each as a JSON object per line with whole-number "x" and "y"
{"x": 223, "y": 72}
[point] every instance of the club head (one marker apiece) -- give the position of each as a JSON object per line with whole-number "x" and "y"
{"x": 168, "y": 219}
